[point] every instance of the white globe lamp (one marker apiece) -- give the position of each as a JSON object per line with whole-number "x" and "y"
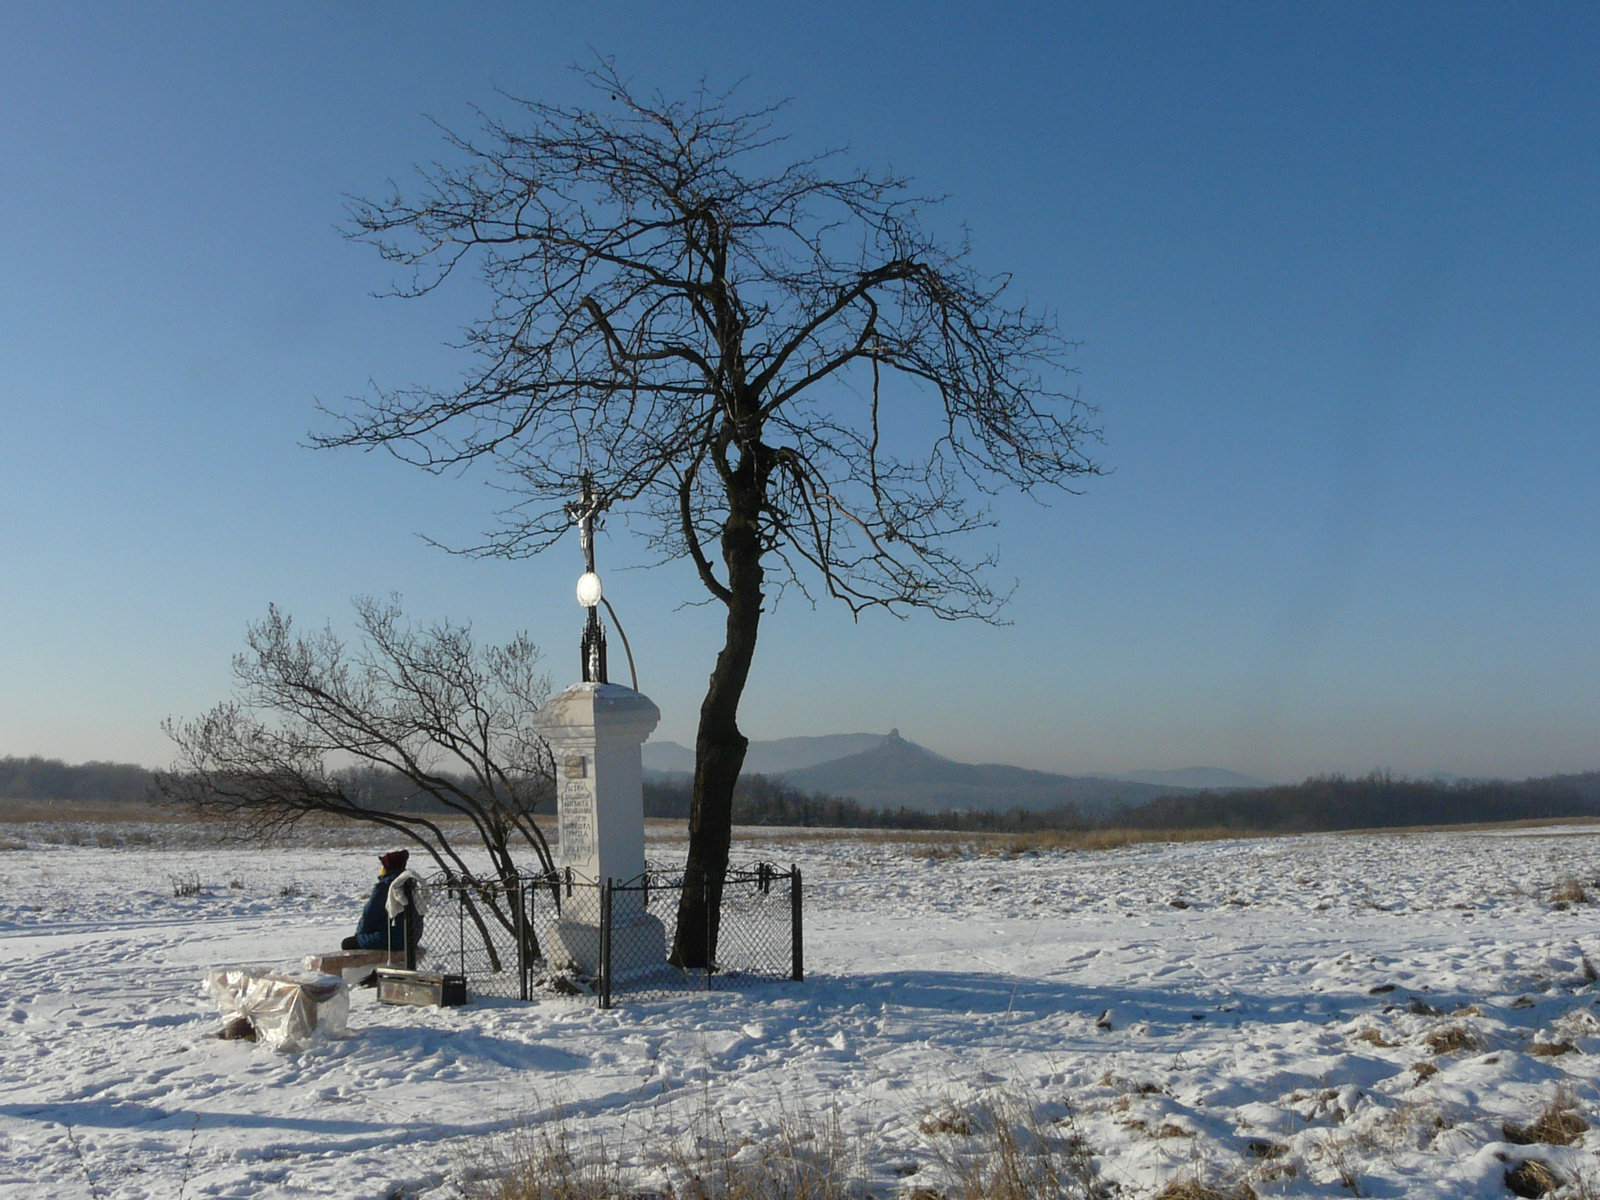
{"x": 589, "y": 589}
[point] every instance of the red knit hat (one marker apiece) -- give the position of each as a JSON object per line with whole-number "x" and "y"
{"x": 394, "y": 861}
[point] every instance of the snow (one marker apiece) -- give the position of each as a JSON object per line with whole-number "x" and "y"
{"x": 1286, "y": 1005}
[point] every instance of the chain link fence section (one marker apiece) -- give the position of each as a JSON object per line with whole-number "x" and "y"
{"x": 562, "y": 935}
{"x": 760, "y": 932}
{"x": 479, "y": 921}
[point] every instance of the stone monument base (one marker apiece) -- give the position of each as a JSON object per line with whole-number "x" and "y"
{"x": 638, "y": 945}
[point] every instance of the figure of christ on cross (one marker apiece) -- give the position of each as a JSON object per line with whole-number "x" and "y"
{"x": 593, "y": 645}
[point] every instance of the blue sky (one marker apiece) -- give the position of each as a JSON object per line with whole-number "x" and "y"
{"x": 1335, "y": 271}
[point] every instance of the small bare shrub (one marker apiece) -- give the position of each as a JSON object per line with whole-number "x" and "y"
{"x": 809, "y": 1158}
{"x": 550, "y": 1162}
{"x": 949, "y": 1120}
{"x": 1531, "y": 1178}
{"x": 1015, "y": 1154}
{"x": 1568, "y": 891}
{"x": 1560, "y": 1124}
{"x": 1336, "y": 1152}
{"x": 1373, "y": 1035}
{"x": 1452, "y": 1039}
{"x": 185, "y": 885}
{"x": 1411, "y": 1124}
{"x": 1551, "y": 1049}
{"x": 1193, "y": 1189}
{"x": 83, "y": 1163}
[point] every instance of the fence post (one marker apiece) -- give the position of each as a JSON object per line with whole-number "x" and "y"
{"x": 411, "y": 926}
{"x": 797, "y": 957}
{"x": 604, "y": 981}
{"x": 520, "y": 926}
{"x": 712, "y": 919}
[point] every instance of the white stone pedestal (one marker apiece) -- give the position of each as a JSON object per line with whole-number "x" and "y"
{"x": 595, "y": 731}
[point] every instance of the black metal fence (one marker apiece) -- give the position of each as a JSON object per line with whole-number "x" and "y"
{"x": 562, "y": 935}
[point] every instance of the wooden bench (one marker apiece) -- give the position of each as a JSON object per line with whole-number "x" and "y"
{"x": 356, "y": 967}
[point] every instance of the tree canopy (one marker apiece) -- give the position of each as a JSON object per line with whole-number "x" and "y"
{"x": 765, "y": 361}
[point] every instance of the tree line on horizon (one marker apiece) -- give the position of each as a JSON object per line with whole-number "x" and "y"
{"x": 36, "y": 778}
{"x": 1318, "y": 804}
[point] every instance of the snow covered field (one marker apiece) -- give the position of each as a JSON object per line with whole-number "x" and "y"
{"x": 1197, "y": 1006}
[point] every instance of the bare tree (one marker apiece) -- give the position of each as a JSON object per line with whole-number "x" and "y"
{"x": 429, "y": 708}
{"x": 769, "y": 365}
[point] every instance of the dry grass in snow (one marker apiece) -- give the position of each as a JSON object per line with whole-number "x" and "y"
{"x": 998, "y": 1148}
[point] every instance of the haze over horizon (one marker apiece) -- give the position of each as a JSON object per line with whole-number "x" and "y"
{"x": 1334, "y": 271}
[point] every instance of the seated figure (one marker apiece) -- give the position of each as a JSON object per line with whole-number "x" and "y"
{"x": 377, "y": 929}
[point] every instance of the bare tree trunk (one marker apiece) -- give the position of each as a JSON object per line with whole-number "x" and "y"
{"x": 483, "y": 929}
{"x": 719, "y": 746}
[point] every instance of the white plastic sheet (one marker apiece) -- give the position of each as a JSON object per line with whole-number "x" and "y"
{"x": 285, "y": 1010}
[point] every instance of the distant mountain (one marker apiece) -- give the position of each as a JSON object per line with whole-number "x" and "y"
{"x": 1213, "y": 779}
{"x": 767, "y": 758}
{"x": 804, "y": 761}
{"x": 897, "y": 773}
{"x": 667, "y": 758}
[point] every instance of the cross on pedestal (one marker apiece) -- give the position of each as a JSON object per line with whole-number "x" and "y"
{"x": 595, "y": 730}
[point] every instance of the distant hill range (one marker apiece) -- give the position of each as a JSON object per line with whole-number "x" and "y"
{"x": 890, "y": 772}
{"x": 1207, "y": 779}
{"x": 768, "y": 758}
{"x": 894, "y": 784}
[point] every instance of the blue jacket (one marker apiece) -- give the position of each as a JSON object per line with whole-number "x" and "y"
{"x": 376, "y": 931}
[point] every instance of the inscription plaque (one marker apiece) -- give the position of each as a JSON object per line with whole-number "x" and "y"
{"x": 576, "y": 820}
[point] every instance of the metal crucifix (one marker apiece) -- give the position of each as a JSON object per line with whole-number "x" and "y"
{"x": 592, "y": 647}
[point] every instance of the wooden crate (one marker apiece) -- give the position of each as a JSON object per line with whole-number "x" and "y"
{"x": 421, "y": 988}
